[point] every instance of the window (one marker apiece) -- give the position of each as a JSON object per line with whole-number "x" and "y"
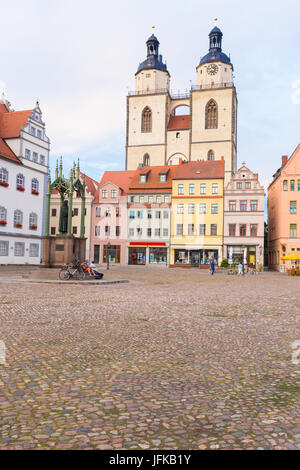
{"x": 180, "y": 209}
{"x": 248, "y": 185}
{"x": 32, "y": 131}
{"x": 131, "y": 232}
{"x": 33, "y": 220}
{"x": 3, "y": 216}
{"x": 243, "y": 206}
{"x": 166, "y": 199}
{"x": 104, "y": 193}
{"x": 143, "y": 179}
{"x": 293, "y": 207}
{"x": 139, "y": 214}
{"x": 118, "y": 230}
{"x": 131, "y": 215}
{"x": 202, "y": 229}
{"x": 20, "y": 182}
{"x": 39, "y": 133}
{"x": 35, "y": 157}
{"x": 191, "y": 189}
{"x": 293, "y": 231}
{"x": 215, "y": 188}
{"x": 131, "y": 198}
{"x": 18, "y": 218}
{"x": 157, "y": 214}
{"x": 165, "y": 232}
{"x": 34, "y": 250}
{"x": 162, "y": 178}
{"x": 147, "y": 120}
{"x": 180, "y": 189}
{"x": 108, "y": 212}
{"x": 158, "y": 199}
{"x": 53, "y": 230}
{"x": 42, "y": 159}
{"x": 210, "y": 155}
{"x": 113, "y": 193}
{"x": 166, "y": 214}
{"x": 191, "y": 208}
{"x": 34, "y": 186}
{"x": 107, "y": 230}
{"x": 242, "y": 230}
{"x": 118, "y": 211}
{"x": 157, "y": 232}
{"x": 151, "y": 199}
{"x": 74, "y": 230}
{"x": 202, "y": 208}
{"x": 239, "y": 185}
{"x": 53, "y": 212}
{"x": 253, "y": 206}
{"x": 98, "y": 211}
{"x": 75, "y": 212}
{"x": 211, "y": 115}
{"x": 215, "y": 208}
{"x": 298, "y": 185}
{"x": 146, "y": 160}
{"x": 292, "y": 185}
{"x": 213, "y": 229}
{"x": 232, "y": 206}
{"x": 4, "y": 176}
{"x": 27, "y": 154}
{"x": 4, "y": 248}
{"x": 97, "y": 230}
{"x": 179, "y": 229}
{"x": 253, "y": 230}
{"x": 149, "y": 214}
{"x": 191, "y": 229}
{"x": 203, "y": 188}
{"x": 19, "y": 249}
{"x": 232, "y": 230}
{"x": 149, "y": 232}
{"x": 285, "y": 185}
{"x": 139, "y": 231}
{"x": 141, "y": 198}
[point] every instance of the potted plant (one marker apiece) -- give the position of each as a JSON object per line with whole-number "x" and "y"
{"x": 33, "y": 227}
{"x": 20, "y": 188}
{"x": 3, "y": 222}
{"x": 4, "y": 183}
{"x": 18, "y": 225}
{"x": 34, "y": 191}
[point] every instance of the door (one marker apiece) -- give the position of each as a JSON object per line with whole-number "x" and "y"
{"x": 96, "y": 253}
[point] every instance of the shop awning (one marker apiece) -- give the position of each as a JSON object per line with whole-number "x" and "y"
{"x": 292, "y": 257}
{"x": 146, "y": 244}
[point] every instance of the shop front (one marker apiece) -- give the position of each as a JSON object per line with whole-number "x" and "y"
{"x": 113, "y": 251}
{"x": 242, "y": 254}
{"x": 147, "y": 253}
{"x": 197, "y": 258}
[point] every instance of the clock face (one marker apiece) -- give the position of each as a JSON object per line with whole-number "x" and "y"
{"x": 212, "y": 69}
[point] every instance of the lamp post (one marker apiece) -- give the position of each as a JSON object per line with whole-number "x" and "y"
{"x": 108, "y": 254}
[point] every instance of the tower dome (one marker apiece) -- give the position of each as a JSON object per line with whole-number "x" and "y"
{"x": 215, "y": 53}
{"x": 154, "y": 60}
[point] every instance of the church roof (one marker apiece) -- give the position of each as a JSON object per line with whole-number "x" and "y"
{"x": 215, "y": 56}
{"x": 177, "y": 123}
{"x": 200, "y": 170}
{"x": 152, "y": 62}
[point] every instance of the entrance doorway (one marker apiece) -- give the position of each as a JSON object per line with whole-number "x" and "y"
{"x": 96, "y": 254}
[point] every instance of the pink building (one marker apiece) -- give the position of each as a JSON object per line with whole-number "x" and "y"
{"x": 109, "y": 218}
{"x": 284, "y": 210}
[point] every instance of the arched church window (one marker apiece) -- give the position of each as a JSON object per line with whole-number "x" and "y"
{"x": 211, "y": 115}
{"x": 146, "y": 160}
{"x": 147, "y": 120}
{"x": 210, "y": 155}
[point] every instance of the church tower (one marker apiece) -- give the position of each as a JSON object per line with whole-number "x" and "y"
{"x": 214, "y": 108}
{"x": 146, "y": 111}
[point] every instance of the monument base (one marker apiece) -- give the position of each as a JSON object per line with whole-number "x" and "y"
{"x": 61, "y": 250}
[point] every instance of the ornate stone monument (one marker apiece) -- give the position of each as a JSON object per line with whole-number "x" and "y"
{"x": 64, "y": 247}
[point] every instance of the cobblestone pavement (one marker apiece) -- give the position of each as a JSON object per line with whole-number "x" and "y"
{"x": 175, "y": 359}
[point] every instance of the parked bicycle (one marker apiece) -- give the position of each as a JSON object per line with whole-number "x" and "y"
{"x": 72, "y": 271}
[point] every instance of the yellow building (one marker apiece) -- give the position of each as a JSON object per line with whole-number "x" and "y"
{"x": 197, "y": 214}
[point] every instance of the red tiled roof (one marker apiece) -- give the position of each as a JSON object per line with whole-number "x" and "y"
{"x": 119, "y": 178}
{"x": 12, "y": 122}
{"x": 91, "y": 184}
{"x": 152, "y": 182}
{"x": 207, "y": 169}
{"x": 6, "y": 152}
{"x": 177, "y": 123}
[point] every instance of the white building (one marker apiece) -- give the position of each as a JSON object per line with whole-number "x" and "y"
{"x": 24, "y": 162}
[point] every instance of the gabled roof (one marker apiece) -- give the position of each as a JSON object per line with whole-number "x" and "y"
{"x": 91, "y": 184}
{"x": 200, "y": 170}
{"x": 6, "y": 152}
{"x": 12, "y": 122}
{"x": 119, "y": 178}
{"x": 153, "y": 182}
{"x": 179, "y": 122}
{"x": 295, "y": 153}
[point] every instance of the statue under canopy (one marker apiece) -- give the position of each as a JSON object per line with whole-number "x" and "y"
{"x": 63, "y": 218}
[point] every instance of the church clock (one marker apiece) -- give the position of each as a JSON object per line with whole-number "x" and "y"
{"x": 212, "y": 69}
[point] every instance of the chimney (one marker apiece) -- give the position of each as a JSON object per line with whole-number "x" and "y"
{"x": 284, "y": 159}
{"x": 180, "y": 161}
{"x": 222, "y": 158}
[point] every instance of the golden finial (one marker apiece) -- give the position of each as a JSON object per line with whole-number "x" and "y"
{"x": 215, "y": 20}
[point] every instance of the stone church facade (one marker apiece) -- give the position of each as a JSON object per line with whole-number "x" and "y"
{"x": 157, "y": 134}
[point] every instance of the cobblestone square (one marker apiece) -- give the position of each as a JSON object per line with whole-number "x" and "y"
{"x": 174, "y": 359}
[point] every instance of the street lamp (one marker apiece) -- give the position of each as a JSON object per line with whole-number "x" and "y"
{"x": 108, "y": 254}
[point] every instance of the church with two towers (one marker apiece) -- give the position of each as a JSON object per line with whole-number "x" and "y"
{"x": 158, "y": 133}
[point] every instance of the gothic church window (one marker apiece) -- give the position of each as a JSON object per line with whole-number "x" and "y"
{"x": 210, "y": 155}
{"x": 147, "y": 120}
{"x": 211, "y": 115}
{"x": 146, "y": 160}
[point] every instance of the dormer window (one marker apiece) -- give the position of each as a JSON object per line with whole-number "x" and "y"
{"x": 143, "y": 178}
{"x": 162, "y": 178}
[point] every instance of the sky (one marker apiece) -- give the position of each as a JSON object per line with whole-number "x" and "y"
{"x": 79, "y": 59}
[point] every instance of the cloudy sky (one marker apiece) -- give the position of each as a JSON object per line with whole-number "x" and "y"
{"x": 79, "y": 59}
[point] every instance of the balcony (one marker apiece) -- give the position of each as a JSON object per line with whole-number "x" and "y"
{"x": 213, "y": 86}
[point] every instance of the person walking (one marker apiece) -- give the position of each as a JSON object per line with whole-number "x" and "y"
{"x": 240, "y": 268}
{"x": 212, "y": 267}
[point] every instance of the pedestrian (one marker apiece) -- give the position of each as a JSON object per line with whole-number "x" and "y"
{"x": 240, "y": 268}
{"x": 212, "y": 267}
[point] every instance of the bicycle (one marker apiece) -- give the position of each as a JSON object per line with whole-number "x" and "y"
{"x": 70, "y": 271}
